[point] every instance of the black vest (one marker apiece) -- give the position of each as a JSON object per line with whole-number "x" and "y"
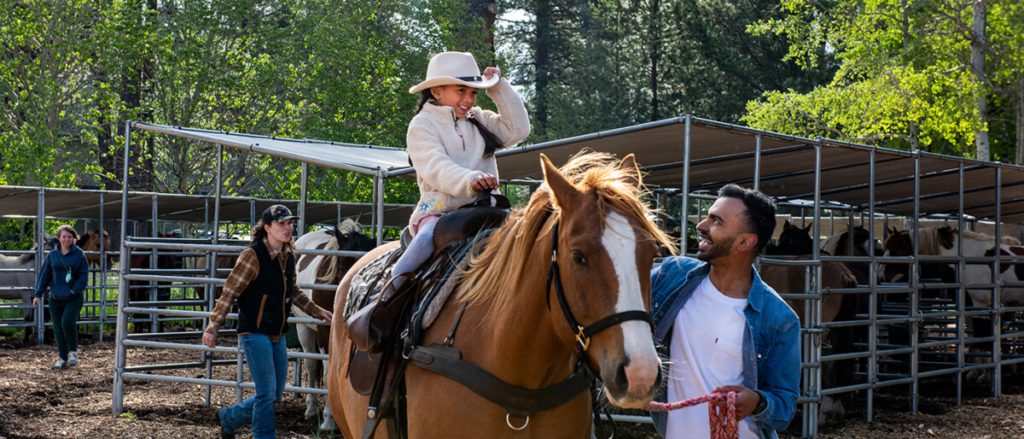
{"x": 266, "y": 303}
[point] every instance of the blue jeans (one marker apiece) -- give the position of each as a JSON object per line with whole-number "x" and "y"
{"x": 65, "y": 323}
{"x": 268, "y": 366}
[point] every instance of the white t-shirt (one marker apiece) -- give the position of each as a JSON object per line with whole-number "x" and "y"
{"x": 706, "y": 352}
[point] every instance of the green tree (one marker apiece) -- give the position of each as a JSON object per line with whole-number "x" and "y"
{"x": 47, "y": 49}
{"x": 599, "y": 64}
{"x": 905, "y": 74}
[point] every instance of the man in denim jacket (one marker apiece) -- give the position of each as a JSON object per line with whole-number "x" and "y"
{"x": 722, "y": 327}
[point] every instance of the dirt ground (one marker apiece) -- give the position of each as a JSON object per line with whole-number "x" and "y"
{"x": 37, "y": 401}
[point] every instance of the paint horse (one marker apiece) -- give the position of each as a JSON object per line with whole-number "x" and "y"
{"x": 943, "y": 241}
{"x": 22, "y": 282}
{"x": 588, "y": 226}
{"x": 319, "y": 269}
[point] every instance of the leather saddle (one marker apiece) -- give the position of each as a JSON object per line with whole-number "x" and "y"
{"x": 374, "y": 373}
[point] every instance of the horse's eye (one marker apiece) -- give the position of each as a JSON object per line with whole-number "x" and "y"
{"x": 578, "y": 258}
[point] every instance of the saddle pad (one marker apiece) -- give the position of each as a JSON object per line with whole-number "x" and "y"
{"x": 368, "y": 282}
{"x": 449, "y": 284}
{"x": 457, "y": 260}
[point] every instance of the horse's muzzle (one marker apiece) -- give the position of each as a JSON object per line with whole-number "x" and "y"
{"x": 634, "y": 383}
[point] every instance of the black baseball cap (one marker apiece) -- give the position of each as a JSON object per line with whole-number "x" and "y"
{"x": 277, "y": 213}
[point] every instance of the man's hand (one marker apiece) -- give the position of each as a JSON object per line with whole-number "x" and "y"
{"x": 35, "y": 301}
{"x": 210, "y": 339}
{"x": 746, "y": 400}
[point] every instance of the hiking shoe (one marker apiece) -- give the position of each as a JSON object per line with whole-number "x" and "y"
{"x": 72, "y": 358}
{"x": 60, "y": 364}
{"x": 224, "y": 434}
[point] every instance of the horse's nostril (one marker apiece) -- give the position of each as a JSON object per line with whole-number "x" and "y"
{"x": 620, "y": 375}
{"x": 657, "y": 381}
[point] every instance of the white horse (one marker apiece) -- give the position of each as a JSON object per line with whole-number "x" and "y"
{"x": 943, "y": 241}
{"x": 317, "y": 269}
{"x": 20, "y": 284}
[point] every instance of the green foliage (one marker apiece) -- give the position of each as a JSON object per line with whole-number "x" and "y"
{"x": 904, "y": 76}
{"x": 595, "y": 65}
{"x": 75, "y": 71}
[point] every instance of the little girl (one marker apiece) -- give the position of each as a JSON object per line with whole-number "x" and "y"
{"x": 451, "y": 143}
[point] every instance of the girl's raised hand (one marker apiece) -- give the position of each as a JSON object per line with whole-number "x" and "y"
{"x": 491, "y": 71}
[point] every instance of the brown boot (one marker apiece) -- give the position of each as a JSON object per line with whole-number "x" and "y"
{"x": 371, "y": 326}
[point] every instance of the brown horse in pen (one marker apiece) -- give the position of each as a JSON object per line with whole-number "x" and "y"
{"x": 798, "y": 243}
{"x": 147, "y": 291}
{"x": 90, "y": 242}
{"x": 513, "y": 327}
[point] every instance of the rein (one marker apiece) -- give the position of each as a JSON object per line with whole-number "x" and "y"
{"x": 723, "y": 420}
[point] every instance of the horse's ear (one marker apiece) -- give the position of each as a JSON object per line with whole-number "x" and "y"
{"x": 786, "y": 225}
{"x": 807, "y": 228}
{"x": 629, "y": 166}
{"x": 561, "y": 189}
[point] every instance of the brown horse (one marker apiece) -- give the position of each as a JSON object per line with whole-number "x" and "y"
{"x": 90, "y": 242}
{"x": 515, "y": 330}
{"x": 793, "y": 279}
{"x": 138, "y": 290}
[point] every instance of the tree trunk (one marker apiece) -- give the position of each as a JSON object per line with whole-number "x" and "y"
{"x": 486, "y": 10}
{"x": 978, "y": 67}
{"x": 1018, "y": 113}
{"x": 542, "y": 63}
{"x": 655, "y": 37}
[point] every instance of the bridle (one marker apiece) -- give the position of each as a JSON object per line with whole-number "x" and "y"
{"x": 583, "y": 333}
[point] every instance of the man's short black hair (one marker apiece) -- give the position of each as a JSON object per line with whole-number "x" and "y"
{"x": 760, "y": 211}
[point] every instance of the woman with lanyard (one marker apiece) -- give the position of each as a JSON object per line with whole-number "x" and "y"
{"x": 65, "y": 273}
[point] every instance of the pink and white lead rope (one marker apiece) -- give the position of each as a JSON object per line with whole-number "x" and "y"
{"x": 723, "y": 422}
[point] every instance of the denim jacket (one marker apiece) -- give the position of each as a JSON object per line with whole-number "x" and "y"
{"x": 771, "y": 344}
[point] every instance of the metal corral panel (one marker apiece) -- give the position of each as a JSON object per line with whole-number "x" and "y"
{"x": 85, "y": 204}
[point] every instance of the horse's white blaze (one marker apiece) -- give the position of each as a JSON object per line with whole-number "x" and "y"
{"x": 619, "y": 241}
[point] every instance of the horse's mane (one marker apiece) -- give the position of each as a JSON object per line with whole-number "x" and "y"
{"x": 333, "y": 266}
{"x": 831, "y": 243}
{"x": 494, "y": 274}
{"x": 977, "y": 236}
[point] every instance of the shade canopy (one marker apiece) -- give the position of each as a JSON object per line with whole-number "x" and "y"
{"x": 366, "y": 159}
{"x": 722, "y": 153}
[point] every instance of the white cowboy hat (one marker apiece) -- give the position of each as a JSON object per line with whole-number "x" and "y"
{"x": 454, "y": 68}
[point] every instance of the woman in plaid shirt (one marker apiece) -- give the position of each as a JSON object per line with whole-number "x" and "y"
{"x": 263, "y": 283}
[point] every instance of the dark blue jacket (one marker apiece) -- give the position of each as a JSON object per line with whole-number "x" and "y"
{"x": 771, "y": 343}
{"x": 53, "y": 275}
